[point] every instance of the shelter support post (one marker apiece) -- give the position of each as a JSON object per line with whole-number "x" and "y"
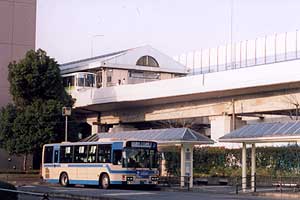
{"x": 244, "y": 167}
{"x": 253, "y": 168}
{"x": 186, "y": 171}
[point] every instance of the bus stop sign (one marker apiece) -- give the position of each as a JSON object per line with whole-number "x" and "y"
{"x": 66, "y": 111}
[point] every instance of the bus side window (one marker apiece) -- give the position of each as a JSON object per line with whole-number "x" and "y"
{"x": 104, "y": 153}
{"x": 80, "y": 154}
{"x": 48, "y": 155}
{"x": 66, "y": 154}
{"x": 117, "y": 157}
{"x": 92, "y": 153}
{"x": 56, "y": 156}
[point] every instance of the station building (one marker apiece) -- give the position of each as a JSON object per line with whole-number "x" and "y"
{"x": 130, "y": 66}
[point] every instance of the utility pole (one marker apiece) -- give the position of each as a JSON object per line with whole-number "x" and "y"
{"x": 232, "y": 58}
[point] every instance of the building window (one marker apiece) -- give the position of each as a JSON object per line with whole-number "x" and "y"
{"x": 147, "y": 61}
{"x": 109, "y": 79}
{"x": 69, "y": 81}
{"x": 144, "y": 75}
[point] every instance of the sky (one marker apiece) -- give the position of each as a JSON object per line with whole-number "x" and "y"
{"x": 72, "y": 29}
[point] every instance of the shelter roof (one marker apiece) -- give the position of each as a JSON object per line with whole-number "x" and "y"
{"x": 162, "y": 136}
{"x": 265, "y": 132}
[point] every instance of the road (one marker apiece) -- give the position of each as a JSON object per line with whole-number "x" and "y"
{"x": 130, "y": 194}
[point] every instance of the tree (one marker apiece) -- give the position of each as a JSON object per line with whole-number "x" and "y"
{"x": 36, "y": 77}
{"x": 38, "y": 95}
{"x": 7, "y": 117}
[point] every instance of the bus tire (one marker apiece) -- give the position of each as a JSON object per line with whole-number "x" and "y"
{"x": 64, "y": 179}
{"x": 104, "y": 181}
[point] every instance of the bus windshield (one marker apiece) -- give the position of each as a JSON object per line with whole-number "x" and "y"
{"x": 140, "y": 158}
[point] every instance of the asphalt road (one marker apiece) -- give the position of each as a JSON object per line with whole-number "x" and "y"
{"x": 130, "y": 194}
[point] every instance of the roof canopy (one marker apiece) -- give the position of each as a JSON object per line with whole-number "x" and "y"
{"x": 161, "y": 136}
{"x": 126, "y": 59}
{"x": 265, "y": 132}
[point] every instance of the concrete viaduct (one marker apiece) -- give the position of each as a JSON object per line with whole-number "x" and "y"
{"x": 214, "y": 98}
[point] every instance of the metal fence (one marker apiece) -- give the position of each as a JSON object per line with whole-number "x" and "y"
{"x": 260, "y": 51}
{"x": 272, "y": 183}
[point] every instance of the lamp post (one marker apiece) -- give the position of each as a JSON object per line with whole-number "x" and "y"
{"x": 66, "y": 111}
{"x": 92, "y": 40}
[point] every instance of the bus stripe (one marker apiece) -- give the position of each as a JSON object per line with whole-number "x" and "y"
{"x": 99, "y": 165}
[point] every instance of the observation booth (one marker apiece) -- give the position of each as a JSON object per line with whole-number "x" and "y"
{"x": 79, "y": 80}
{"x": 184, "y": 137}
{"x": 261, "y": 133}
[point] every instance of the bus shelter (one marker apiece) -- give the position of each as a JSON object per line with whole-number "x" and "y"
{"x": 184, "y": 137}
{"x": 261, "y": 133}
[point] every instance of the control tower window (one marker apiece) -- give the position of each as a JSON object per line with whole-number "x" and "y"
{"x": 147, "y": 61}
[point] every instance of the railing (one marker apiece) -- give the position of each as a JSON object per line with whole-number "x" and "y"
{"x": 176, "y": 181}
{"x": 259, "y": 51}
{"x": 44, "y": 196}
{"x": 279, "y": 183}
{"x": 289, "y": 56}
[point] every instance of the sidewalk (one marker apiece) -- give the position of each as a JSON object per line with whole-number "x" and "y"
{"x": 286, "y": 193}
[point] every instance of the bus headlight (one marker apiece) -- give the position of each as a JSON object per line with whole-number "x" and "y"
{"x": 129, "y": 178}
{"x": 154, "y": 178}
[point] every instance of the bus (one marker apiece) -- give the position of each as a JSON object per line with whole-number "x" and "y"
{"x": 101, "y": 163}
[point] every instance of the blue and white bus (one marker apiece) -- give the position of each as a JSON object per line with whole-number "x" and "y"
{"x": 101, "y": 163}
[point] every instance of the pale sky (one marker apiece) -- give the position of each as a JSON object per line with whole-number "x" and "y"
{"x": 66, "y": 29}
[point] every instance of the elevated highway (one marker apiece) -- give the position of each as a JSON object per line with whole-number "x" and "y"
{"x": 215, "y": 97}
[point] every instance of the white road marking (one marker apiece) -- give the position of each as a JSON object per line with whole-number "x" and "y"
{"x": 128, "y": 193}
{"x": 28, "y": 186}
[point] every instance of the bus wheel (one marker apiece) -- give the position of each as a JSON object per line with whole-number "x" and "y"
{"x": 105, "y": 182}
{"x": 64, "y": 179}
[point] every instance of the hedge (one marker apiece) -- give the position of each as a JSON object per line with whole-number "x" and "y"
{"x": 218, "y": 161}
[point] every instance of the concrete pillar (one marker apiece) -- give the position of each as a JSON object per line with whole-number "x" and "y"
{"x": 182, "y": 165}
{"x": 222, "y": 125}
{"x": 253, "y": 167}
{"x": 186, "y": 168}
{"x": 244, "y": 167}
{"x": 219, "y": 126}
{"x": 92, "y": 120}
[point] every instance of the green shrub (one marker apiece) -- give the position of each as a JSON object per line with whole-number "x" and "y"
{"x": 218, "y": 161}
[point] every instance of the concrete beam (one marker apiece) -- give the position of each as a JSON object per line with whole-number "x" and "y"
{"x": 214, "y": 107}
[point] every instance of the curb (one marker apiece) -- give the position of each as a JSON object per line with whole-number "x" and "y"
{"x": 278, "y": 195}
{"x": 79, "y": 197}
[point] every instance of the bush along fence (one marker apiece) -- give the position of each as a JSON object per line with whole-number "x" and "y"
{"x": 221, "y": 162}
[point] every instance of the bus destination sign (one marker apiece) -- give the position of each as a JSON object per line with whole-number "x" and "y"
{"x": 141, "y": 144}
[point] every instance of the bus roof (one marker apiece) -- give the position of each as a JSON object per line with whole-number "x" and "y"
{"x": 92, "y": 142}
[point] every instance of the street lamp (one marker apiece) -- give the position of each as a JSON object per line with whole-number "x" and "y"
{"x": 92, "y": 40}
{"x": 66, "y": 111}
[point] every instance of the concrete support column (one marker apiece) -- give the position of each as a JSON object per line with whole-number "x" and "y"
{"x": 92, "y": 120}
{"x": 244, "y": 167}
{"x": 222, "y": 125}
{"x": 182, "y": 165}
{"x": 253, "y": 167}
{"x": 186, "y": 168}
